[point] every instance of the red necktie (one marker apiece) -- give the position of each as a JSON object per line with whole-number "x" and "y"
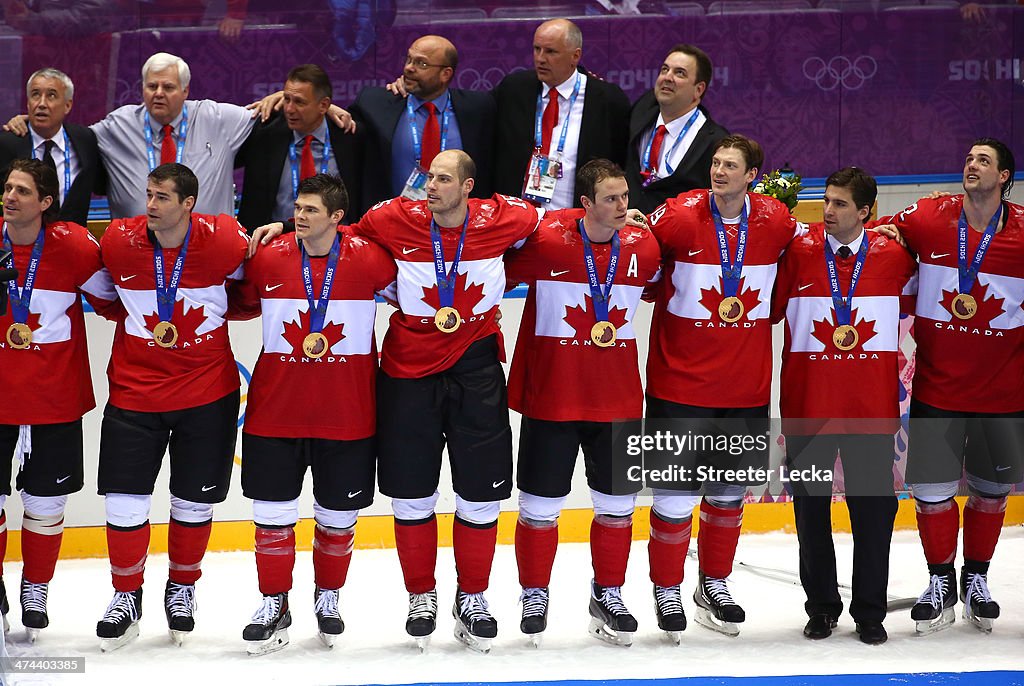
{"x": 431, "y": 144}
{"x": 168, "y": 152}
{"x": 652, "y": 162}
{"x": 307, "y": 168}
{"x": 549, "y": 121}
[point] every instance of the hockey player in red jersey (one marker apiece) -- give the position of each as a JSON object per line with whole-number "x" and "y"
{"x": 44, "y": 357}
{"x": 173, "y": 381}
{"x": 839, "y": 290}
{"x": 967, "y": 405}
{"x": 315, "y": 290}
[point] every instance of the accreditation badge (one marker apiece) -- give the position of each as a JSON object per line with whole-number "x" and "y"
{"x": 416, "y": 185}
{"x": 541, "y": 178}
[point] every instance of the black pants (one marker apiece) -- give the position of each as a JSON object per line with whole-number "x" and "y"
{"x": 867, "y": 467}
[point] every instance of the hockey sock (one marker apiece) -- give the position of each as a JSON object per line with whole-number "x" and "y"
{"x": 127, "y": 548}
{"x": 416, "y": 541}
{"x": 983, "y": 521}
{"x": 938, "y": 525}
{"x": 332, "y": 553}
{"x": 536, "y": 545}
{"x": 41, "y": 536}
{"x": 3, "y": 540}
{"x": 275, "y": 558}
{"x": 666, "y": 549}
{"x": 717, "y": 537}
{"x": 610, "y": 539}
{"x": 186, "y": 545}
{"x": 474, "y": 553}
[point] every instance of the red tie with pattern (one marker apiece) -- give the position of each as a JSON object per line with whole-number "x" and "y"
{"x": 307, "y": 168}
{"x": 549, "y": 121}
{"x": 652, "y": 162}
{"x": 431, "y": 144}
{"x": 168, "y": 152}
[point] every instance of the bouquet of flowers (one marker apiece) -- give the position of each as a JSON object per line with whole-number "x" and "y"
{"x": 782, "y": 187}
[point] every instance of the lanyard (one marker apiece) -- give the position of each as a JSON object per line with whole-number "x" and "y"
{"x": 844, "y": 306}
{"x": 166, "y": 293}
{"x": 67, "y": 167}
{"x": 318, "y": 307}
{"x": 731, "y": 271}
{"x": 147, "y": 131}
{"x": 293, "y": 159}
{"x": 417, "y": 142}
{"x": 601, "y": 296}
{"x": 20, "y": 298}
{"x": 646, "y": 164}
{"x": 968, "y": 274}
{"x": 446, "y": 279}
{"x": 538, "y": 135}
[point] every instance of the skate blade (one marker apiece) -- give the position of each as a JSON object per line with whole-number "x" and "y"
{"x": 675, "y": 636}
{"x": 31, "y": 634}
{"x": 422, "y": 642}
{"x": 475, "y": 643}
{"x": 177, "y": 637}
{"x": 271, "y": 645}
{"x": 709, "y": 621}
{"x": 7, "y": 625}
{"x": 945, "y": 620}
{"x": 536, "y": 639}
{"x": 600, "y": 630}
{"x": 327, "y": 639}
{"x": 982, "y": 624}
{"x": 110, "y": 644}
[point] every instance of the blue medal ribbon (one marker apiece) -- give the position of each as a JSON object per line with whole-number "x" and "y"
{"x": 968, "y": 274}
{"x": 601, "y": 295}
{"x": 318, "y": 307}
{"x": 20, "y": 298}
{"x": 844, "y": 306}
{"x": 147, "y": 131}
{"x": 417, "y": 142}
{"x": 732, "y": 271}
{"x": 446, "y": 279}
{"x": 538, "y": 135}
{"x": 293, "y": 159}
{"x": 646, "y": 163}
{"x": 167, "y": 293}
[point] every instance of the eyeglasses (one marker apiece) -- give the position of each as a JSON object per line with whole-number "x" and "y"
{"x": 422, "y": 64}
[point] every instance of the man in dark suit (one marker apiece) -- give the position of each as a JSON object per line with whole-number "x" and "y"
{"x": 585, "y": 124}
{"x": 294, "y": 145}
{"x": 69, "y": 149}
{"x": 439, "y": 117}
{"x": 671, "y": 136}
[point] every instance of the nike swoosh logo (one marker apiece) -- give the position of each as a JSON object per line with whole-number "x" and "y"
{"x": 945, "y": 254}
{"x": 497, "y": 483}
{"x": 128, "y": 278}
{"x": 353, "y": 495}
{"x": 63, "y": 479}
{"x": 691, "y": 253}
{"x": 273, "y": 288}
{"x": 554, "y": 273}
{"x": 204, "y": 489}
{"x": 998, "y": 469}
{"x": 804, "y": 287}
{"x": 406, "y": 251}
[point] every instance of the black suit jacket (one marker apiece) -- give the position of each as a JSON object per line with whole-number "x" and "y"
{"x": 377, "y": 113}
{"x": 694, "y": 170}
{"x": 92, "y": 177}
{"x": 264, "y": 156}
{"x": 602, "y": 133}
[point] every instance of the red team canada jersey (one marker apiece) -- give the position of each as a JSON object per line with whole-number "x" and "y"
{"x": 413, "y": 346}
{"x": 49, "y": 382}
{"x": 696, "y": 358}
{"x": 819, "y": 380}
{"x": 294, "y": 396}
{"x": 558, "y": 374}
{"x": 200, "y": 367}
{"x": 976, "y": 364}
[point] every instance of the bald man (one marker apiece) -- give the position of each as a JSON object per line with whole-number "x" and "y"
{"x": 400, "y": 135}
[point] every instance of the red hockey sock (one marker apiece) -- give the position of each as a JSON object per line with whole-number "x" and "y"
{"x": 983, "y": 521}
{"x": 666, "y": 550}
{"x": 332, "y": 553}
{"x": 275, "y": 558}
{"x": 186, "y": 545}
{"x": 717, "y": 538}
{"x": 41, "y": 537}
{"x": 127, "y": 549}
{"x": 536, "y": 545}
{"x": 610, "y": 538}
{"x": 938, "y": 525}
{"x": 474, "y": 553}
{"x": 416, "y": 542}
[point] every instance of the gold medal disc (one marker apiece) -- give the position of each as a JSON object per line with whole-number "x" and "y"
{"x": 845, "y": 337}
{"x": 603, "y": 334}
{"x": 315, "y": 345}
{"x": 964, "y": 306}
{"x": 19, "y": 336}
{"x": 165, "y": 334}
{"x": 447, "y": 320}
{"x": 730, "y": 309}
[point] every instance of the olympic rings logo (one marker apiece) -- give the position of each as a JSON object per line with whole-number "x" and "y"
{"x": 471, "y": 79}
{"x": 840, "y": 71}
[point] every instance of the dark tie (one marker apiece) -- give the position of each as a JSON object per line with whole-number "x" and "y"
{"x": 845, "y": 251}
{"x": 168, "y": 152}
{"x": 48, "y": 155}
{"x": 431, "y": 136}
{"x": 549, "y": 121}
{"x": 307, "y": 167}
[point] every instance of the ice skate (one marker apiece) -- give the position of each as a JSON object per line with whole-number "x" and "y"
{"x": 5, "y": 607}
{"x": 610, "y": 621}
{"x": 668, "y": 605}
{"x": 716, "y": 609}
{"x": 180, "y": 609}
{"x": 328, "y": 615}
{"x": 979, "y": 608}
{"x": 934, "y": 609}
{"x": 33, "y": 608}
{"x": 422, "y": 619}
{"x": 120, "y": 623}
{"x": 268, "y": 631}
{"x": 474, "y": 624}
{"x": 535, "y": 613}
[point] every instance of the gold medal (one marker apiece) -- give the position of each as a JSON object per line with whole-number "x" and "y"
{"x": 730, "y": 309}
{"x": 19, "y": 336}
{"x": 845, "y": 337}
{"x": 964, "y": 306}
{"x": 603, "y": 334}
{"x": 447, "y": 320}
{"x": 315, "y": 345}
{"x": 165, "y": 334}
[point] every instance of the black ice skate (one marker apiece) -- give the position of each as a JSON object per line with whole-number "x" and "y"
{"x": 180, "y": 609}
{"x": 668, "y": 605}
{"x": 934, "y": 609}
{"x": 268, "y": 631}
{"x": 422, "y": 617}
{"x": 535, "y": 613}
{"x": 610, "y": 621}
{"x": 33, "y": 608}
{"x": 716, "y": 609}
{"x": 328, "y": 615}
{"x": 979, "y": 608}
{"x": 120, "y": 623}
{"x": 474, "y": 624}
